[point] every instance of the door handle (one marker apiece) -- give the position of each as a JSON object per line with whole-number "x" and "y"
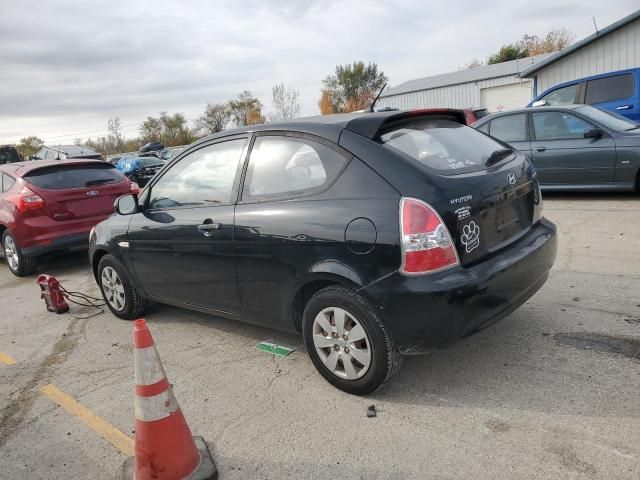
{"x": 541, "y": 149}
{"x": 208, "y": 226}
{"x": 624, "y": 107}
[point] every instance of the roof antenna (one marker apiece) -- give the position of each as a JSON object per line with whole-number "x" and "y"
{"x": 595, "y": 25}
{"x": 377, "y": 97}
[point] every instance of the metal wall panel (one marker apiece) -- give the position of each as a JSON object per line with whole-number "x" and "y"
{"x": 615, "y": 51}
{"x": 464, "y": 95}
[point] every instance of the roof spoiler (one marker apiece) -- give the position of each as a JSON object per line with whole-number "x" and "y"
{"x": 369, "y": 125}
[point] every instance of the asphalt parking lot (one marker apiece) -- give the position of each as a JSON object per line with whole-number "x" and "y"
{"x": 552, "y": 391}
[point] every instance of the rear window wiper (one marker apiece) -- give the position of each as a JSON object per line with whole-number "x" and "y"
{"x": 632, "y": 128}
{"x": 102, "y": 181}
{"x": 498, "y": 155}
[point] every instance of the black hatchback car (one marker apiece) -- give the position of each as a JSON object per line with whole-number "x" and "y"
{"x": 373, "y": 234}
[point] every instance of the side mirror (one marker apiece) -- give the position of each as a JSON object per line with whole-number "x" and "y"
{"x": 594, "y": 133}
{"x": 539, "y": 103}
{"x": 126, "y": 205}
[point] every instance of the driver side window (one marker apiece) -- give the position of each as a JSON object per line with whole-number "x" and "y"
{"x": 204, "y": 177}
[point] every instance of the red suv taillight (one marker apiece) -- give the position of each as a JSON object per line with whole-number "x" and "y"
{"x": 426, "y": 243}
{"x": 26, "y": 199}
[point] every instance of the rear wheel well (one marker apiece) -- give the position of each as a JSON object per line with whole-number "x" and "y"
{"x": 2, "y": 229}
{"x": 304, "y": 294}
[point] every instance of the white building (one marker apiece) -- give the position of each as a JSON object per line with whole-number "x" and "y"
{"x": 61, "y": 152}
{"x": 615, "y": 47}
{"x": 496, "y": 87}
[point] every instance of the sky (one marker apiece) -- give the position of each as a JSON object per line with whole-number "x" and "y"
{"x": 67, "y": 66}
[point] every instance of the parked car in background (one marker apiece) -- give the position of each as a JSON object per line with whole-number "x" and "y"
{"x": 151, "y": 147}
{"x": 140, "y": 169}
{"x": 617, "y": 92}
{"x": 374, "y": 234}
{"x": 573, "y": 146}
{"x": 52, "y": 205}
{"x": 9, "y": 154}
{"x": 169, "y": 153}
{"x": 474, "y": 114}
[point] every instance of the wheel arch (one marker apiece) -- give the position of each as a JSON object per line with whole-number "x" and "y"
{"x": 307, "y": 288}
{"x": 95, "y": 260}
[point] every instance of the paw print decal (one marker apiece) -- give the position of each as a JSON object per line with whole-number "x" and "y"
{"x": 470, "y": 236}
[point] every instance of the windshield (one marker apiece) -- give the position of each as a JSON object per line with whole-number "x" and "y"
{"x": 8, "y": 155}
{"x": 608, "y": 119}
{"x": 442, "y": 145}
{"x": 77, "y": 176}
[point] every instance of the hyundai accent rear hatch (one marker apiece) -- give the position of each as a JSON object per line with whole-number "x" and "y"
{"x": 486, "y": 194}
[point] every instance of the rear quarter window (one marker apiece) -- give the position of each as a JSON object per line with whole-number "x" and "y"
{"x": 78, "y": 176}
{"x": 607, "y": 89}
{"x": 441, "y": 145}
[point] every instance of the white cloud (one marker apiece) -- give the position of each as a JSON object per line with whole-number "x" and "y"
{"x": 68, "y": 66}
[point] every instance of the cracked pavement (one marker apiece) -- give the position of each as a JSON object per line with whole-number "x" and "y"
{"x": 530, "y": 397}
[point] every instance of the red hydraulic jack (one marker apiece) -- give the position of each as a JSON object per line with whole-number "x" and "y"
{"x": 51, "y": 291}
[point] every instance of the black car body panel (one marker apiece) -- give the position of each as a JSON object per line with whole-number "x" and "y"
{"x": 432, "y": 311}
{"x": 263, "y": 259}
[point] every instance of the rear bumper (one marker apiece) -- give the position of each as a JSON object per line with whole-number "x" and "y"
{"x": 60, "y": 243}
{"x": 433, "y": 311}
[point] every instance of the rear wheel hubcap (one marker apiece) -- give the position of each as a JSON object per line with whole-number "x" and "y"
{"x": 341, "y": 343}
{"x": 113, "y": 288}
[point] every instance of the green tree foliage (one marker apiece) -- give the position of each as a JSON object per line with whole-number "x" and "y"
{"x": 530, "y": 45}
{"x": 171, "y": 130}
{"x": 214, "y": 119}
{"x": 29, "y": 145}
{"x": 351, "y": 87}
{"x": 245, "y": 110}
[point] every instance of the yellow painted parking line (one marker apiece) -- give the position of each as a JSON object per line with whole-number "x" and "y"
{"x": 7, "y": 359}
{"x": 103, "y": 428}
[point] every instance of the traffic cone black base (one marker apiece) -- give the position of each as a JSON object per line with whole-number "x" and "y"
{"x": 205, "y": 471}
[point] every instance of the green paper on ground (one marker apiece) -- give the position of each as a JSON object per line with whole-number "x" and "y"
{"x": 279, "y": 350}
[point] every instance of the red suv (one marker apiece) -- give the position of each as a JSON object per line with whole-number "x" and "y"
{"x": 52, "y": 205}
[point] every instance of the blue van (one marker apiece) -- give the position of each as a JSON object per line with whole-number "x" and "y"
{"x": 618, "y": 92}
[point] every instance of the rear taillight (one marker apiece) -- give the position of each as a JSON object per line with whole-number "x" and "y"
{"x": 135, "y": 189}
{"x": 26, "y": 199}
{"x": 426, "y": 243}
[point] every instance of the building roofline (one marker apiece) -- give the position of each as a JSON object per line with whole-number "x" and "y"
{"x": 582, "y": 43}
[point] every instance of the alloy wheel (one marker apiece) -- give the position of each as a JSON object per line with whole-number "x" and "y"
{"x": 342, "y": 343}
{"x": 113, "y": 288}
{"x": 11, "y": 253}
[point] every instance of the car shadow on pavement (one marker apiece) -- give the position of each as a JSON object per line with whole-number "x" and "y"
{"x": 511, "y": 367}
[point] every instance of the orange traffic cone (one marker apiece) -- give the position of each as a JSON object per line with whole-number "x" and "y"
{"x": 164, "y": 449}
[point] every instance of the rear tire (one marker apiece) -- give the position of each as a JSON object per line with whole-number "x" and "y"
{"x": 348, "y": 341}
{"x": 118, "y": 291}
{"x": 19, "y": 264}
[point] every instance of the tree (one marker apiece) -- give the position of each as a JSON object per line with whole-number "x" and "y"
{"x": 285, "y": 102}
{"x": 352, "y": 87}
{"x": 475, "y": 63}
{"x": 151, "y": 130}
{"x": 530, "y": 45}
{"x": 174, "y": 129}
{"x": 245, "y": 108}
{"x": 512, "y": 51}
{"x": 115, "y": 137}
{"x": 325, "y": 103}
{"x": 214, "y": 120}
{"x": 29, "y": 145}
{"x": 553, "y": 41}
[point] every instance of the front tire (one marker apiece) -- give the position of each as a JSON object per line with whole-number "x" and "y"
{"x": 348, "y": 341}
{"x": 117, "y": 290}
{"x": 19, "y": 264}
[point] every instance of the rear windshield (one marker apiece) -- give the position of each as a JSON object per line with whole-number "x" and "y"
{"x": 445, "y": 146}
{"x": 148, "y": 161}
{"x": 483, "y": 112}
{"x": 78, "y": 176}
